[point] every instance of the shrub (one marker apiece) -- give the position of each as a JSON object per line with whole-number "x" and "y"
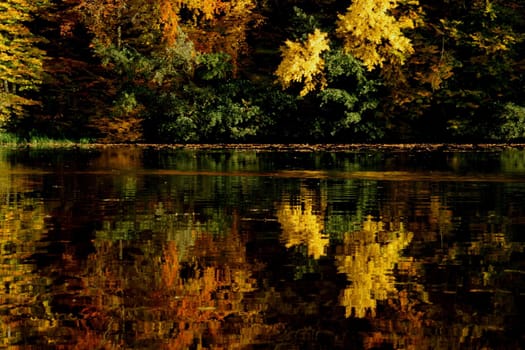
{"x": 512, "y": 123}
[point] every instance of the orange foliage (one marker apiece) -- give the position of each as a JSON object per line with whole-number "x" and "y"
{"x": 119, "y": 128}
{"x": 223, "y": 27}
{"x": 170, "y": 268}
{"x": 169, "y": 20}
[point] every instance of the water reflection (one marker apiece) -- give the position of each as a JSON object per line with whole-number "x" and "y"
{"x": 138, "y": 248}
{"x": 368, "y": 258}
{"x": 301, "y": 224}
{"x": 24, "y": 310}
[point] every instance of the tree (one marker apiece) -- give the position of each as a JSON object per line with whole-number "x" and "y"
{"x": 372, "y": 34}
{"x": 302, "y": 62}
{"x": 21, "y": 60}
{"x": 174, "y": 52}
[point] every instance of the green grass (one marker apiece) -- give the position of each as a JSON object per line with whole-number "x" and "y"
{"x": 10, "y": 139}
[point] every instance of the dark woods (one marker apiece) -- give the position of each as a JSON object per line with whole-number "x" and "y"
{"x": 263, "y": 71}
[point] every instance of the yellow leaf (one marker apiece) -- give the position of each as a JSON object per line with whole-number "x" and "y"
{"x": 302, "y": 63}
{"x": 373, "y": 35}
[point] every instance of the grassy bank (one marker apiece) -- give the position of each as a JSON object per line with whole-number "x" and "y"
{"x": 12, "y": 140}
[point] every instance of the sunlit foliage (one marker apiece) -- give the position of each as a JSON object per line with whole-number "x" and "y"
{"x": 136, "y": 70}
{"x": 371, "y": 33}
{"x": 21, "y": 59}
{"x": 303, "y": 63}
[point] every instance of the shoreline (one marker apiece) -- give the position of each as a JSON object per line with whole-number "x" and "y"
{"x": 282, "y": 147}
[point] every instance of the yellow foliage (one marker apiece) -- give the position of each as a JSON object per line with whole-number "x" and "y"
{"x": 300, "y": 224}
{"x": 119, "y": 128}
{"x": 372, "y": 34}
{"x": 438, "y": 71}
{"x": 302, "y": 62}
{"x": 170, "y": 20}
{"x": 207, "y": 8}
{"x": 494, "y": 41}
{"x": 368, "y": 259}
{"x": 21, "y": 60}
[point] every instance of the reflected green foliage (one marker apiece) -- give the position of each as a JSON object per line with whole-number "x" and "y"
{"x": 513, "y": 162}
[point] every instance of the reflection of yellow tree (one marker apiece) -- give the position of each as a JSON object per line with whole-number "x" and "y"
{"x": 21, "y": 228}
{"x": 440, "y": 216}
{"x": 302, "y": 224}
{"x": 367, "y": 259}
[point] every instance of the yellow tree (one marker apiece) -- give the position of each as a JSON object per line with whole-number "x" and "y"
{"x": 21, "y": 60}
{"x": 302, "y": 63}
{"x": 372, "y": 33}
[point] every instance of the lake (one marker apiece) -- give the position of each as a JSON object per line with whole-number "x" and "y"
{"x": 267, "y": 248}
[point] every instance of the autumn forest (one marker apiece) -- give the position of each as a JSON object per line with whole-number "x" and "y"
{"x": 190, "y": 71}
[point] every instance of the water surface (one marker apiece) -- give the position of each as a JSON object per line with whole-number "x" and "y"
{"x": 140, "y": 248}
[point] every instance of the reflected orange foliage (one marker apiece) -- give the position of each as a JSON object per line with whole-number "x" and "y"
{"x": 181, "y": 295}
{"x": 119, "y": 158}
{"x": 22, "y": 226}
{"x": 170, "y": 267}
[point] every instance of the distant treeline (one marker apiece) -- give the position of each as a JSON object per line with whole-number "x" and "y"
{"x": 184, "y": 71}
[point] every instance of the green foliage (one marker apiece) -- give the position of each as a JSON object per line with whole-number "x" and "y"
{"x": 8, "y": 138}
{"x": 340, "y": 97}
{"x": 351, "y": 100}
{"x": 342, "y": 65}
{"x": 482, "y": 42}
{"x": 512, "y": 123}
{"x": 214, "y": 66}
{"x": 204, "y": 114}
{"x": 158, "y": 68}
{"x": 39, "y": 141}
{"x": 302, "y": 24}
{"x": 361, "y": 70}
{"x": 126, "y": 104}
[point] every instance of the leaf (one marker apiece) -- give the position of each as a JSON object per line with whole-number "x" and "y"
{"x": 302, "y": 63}
{"x": 373, "y": 35}
{"x": 21, "y": 61}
